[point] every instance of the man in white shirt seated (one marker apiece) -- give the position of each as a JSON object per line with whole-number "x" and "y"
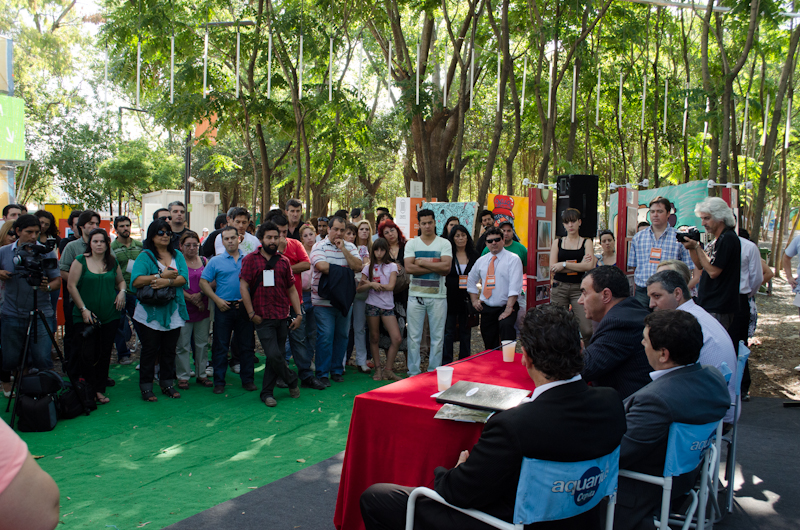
{"x": 668, "y": 290}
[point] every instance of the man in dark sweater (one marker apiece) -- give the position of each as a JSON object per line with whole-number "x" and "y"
{"x": 614, "y": 356}
{"x": 553, "y": 425}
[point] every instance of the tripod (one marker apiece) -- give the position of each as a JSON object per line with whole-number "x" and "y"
{"x": 32, "y": 333}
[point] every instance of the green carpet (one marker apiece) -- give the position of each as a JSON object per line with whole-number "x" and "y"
{"x": 132, "y": 464}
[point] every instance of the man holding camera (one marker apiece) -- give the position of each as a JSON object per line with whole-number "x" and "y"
{"x": 654, "y": 245}
{"x": 19, "y": 265}
{"x": 721, "y": 263}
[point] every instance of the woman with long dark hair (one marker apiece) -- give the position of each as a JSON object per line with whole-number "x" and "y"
{"x": 458, "y": 302}
{"x": 98, "y": 291}
{"x": 451, "y": 223}
{"x": 389, "y": 230}
{"x": 161, "y": 267}
{"x": 49, "y": 226}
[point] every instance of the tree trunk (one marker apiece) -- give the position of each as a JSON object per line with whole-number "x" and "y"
{"x": 769, "y": 146}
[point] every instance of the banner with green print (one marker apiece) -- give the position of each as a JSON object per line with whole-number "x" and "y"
{"x": 12, "y": 128}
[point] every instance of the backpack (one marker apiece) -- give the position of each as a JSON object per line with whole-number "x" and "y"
{"x": 37, "y": 398}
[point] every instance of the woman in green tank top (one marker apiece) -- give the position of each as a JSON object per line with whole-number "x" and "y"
{"x": 98, "y": 290}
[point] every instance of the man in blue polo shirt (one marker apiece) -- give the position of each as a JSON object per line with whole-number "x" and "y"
{"x": 229, "y": 319}
{"x": 654, "y": 245}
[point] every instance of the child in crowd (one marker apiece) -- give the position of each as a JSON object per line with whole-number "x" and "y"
{"x": 378, "y": 278}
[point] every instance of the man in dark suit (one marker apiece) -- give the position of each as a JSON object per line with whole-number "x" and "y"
{"x": 615, "y": 356}
{"x": 682, "y": 391}
{"x": 565, "y": 421}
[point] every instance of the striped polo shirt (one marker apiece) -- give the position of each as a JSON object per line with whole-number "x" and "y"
{"x": 325, "y": 250}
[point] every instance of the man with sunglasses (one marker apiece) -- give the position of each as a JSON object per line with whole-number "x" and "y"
{"x": 500, "y": 274}
{"x": 229, "y": 316}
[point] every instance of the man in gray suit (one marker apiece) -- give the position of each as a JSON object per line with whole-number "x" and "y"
{"x": 682, "y": 391}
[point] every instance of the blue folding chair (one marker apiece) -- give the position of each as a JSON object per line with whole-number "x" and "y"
{"x": 730, "y": 438}
{"x": 687, "y": 447}
{"x": 547, "y": 491}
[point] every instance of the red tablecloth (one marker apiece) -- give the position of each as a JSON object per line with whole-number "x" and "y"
{"x": 394, "y": 437}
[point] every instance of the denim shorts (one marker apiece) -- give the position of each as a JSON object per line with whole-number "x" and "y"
{"x": 375, "y": 311}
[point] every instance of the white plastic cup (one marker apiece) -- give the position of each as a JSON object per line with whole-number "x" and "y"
{"x": 444, "y": 377}
{"x": 508, "y": 350}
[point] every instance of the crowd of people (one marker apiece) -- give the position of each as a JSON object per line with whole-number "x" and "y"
{"x": 318, "y": 290}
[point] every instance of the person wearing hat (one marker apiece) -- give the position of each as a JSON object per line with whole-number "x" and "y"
{"x": 515, "y": 247}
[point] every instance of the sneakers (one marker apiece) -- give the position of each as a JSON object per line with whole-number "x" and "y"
{"x": 209, "y": 371}
{"x": 325, "y": 381}
{"x": 137, "y": 366}
{"x": 338, "y": 378}
{"x": 236, "y": 368}
{"x": 127, "y": 360}
{"x": 250, "y": 387}
{"x": 280, "y": 383}
{"x": 270, "y": 401}
{"x": 313, "y": 382}
{"x": 294, "y": 392}
{"x": 797, "y": 367}
{"x": 219, "y": 389}
{"x": 192, "y": 374}
{"x": 364, "y": 369}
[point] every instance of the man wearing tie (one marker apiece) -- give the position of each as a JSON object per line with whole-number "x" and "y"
{"x": 500, "y": 274}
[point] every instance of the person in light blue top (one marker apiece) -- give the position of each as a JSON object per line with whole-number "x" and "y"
{"x": 160, "y": 266}
{"x": 230, "y": 319}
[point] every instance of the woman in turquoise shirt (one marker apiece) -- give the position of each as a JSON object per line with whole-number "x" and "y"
{"x": 160, "y": 266}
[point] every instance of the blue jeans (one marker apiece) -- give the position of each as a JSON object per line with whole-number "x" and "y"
{"x": 124, "y": 331}
{"x": 299, "y": 346}
{"x": 14, "y": 332}
{"x": 436, "y": 309}
{"x": 227, "y": 323}
{"x": 332, "y": 331}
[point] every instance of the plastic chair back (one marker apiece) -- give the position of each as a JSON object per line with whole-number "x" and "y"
{"x": 550, "y": 491}
{"x": 686, "y": 446}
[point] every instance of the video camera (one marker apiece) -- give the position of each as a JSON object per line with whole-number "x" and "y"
{"x": 692, "y": 233}
{"x": 30, "y": 257}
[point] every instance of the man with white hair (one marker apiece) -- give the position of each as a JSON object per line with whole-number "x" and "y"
{"x": 721, "y": 263}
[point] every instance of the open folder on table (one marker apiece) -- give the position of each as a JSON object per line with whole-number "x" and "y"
{"x": 482, "y": 396}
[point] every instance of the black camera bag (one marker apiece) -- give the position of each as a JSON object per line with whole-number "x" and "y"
{"x": 70, "y": 404}
{"x": 36, "y": 414}
{"x": 40, "y": 384}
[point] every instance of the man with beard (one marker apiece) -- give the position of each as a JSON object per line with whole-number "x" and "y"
{"x": 125, "y": 249}
{"x": 267, "y": 287}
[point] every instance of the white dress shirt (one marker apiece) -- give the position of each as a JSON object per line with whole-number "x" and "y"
{"x": 507, "y": 274}
{"x": 717, "y": 347}
{"x": 542, "y": 389}
{"x": 751, "y": 276}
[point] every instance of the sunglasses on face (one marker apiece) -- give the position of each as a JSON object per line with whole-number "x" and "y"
{"x": 322, "y": 219}
{"x": 495, "y": 240}
{"x": 164, "y": 233}
{"x": 166, "y": 218}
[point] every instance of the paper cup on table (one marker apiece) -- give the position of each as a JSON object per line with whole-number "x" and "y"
{"x": 508, "y": 350}
{"x": 444, "y": 377}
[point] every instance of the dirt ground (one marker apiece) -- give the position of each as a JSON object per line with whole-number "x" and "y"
{"x": 775, "y": 348}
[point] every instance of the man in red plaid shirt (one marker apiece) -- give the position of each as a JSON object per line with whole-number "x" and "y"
{"x": 267, "y": 287}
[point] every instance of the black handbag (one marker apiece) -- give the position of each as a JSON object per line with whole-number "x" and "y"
{"x": 155, "y": 297}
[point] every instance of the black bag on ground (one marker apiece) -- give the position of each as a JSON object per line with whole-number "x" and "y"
{"x": 36, "y": 414}
{"x": 40, "y": 384}
{"x": 85, "y": 395}
{"x": 70, "y": 404}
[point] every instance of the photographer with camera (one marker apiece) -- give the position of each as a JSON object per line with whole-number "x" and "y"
{"x": 721, "y": 263}
{"x": 98, "y": 290}
{"x": 28, "y": 269}
{"x": 653, "y": 245}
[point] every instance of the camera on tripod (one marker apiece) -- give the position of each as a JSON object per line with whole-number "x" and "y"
{"x": 30, "y": 256}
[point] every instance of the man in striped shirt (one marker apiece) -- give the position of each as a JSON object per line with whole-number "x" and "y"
{"x": 332, "y": 327}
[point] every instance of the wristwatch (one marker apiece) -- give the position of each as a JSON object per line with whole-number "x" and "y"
{"x": 48, "y": 288}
